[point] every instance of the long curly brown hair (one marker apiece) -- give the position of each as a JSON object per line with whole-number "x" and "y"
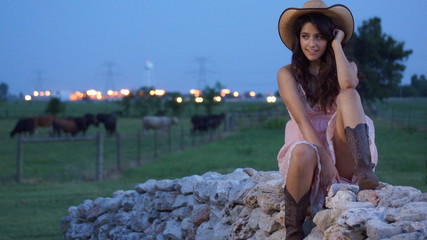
{"x": 322, "y": 89}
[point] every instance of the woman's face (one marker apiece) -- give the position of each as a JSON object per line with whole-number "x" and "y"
{"x": 313, "y": 43}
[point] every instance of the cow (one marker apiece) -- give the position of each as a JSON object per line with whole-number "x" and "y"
{"x": 73, "y": 125}
{"x": 24, "y": 125}
{"x": 109, "y": 120}
{"x": 158, "y": 122}
{"x": 44, "y": 121}
{"x": 90, "y": 119}
{"x": 67, "y": 125}
{"x": 205, "y": 123}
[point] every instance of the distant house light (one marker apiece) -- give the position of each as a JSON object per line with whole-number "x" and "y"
{"x": 27, "y": 97}
{"x": 125, "y": 92}
{"x": 198, "y": 99}
{"x": 217, "y": 99}
{"x": 271, "y": 99}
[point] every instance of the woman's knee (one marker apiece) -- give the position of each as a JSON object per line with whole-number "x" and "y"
{"x": 349, "y": 95}
{"x": 304, "y": 158}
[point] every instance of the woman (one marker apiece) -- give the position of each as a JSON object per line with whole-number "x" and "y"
{"x": 329, "y": 138}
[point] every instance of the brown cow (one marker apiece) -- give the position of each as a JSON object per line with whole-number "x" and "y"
{"x": 44, "y": 121}
{"x": 65, "y": 125}
{"x": 73, "y": 125}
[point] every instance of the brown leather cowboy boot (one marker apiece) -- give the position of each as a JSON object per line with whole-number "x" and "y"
{"x": 358, "y": 142}
{"x": 295, "y": 214}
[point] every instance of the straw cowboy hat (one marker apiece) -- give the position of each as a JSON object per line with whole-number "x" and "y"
{"x": 339, "y": 14}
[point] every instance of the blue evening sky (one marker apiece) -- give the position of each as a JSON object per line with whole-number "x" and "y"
{"x": 71, "y": 45}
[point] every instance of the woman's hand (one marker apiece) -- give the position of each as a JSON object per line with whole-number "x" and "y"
{"x": 328, "y": 172}
{"x": 338, "y": 35}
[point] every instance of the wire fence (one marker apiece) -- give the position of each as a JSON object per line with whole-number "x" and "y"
{"x": 121, "y": 151}
{"x": 412, "y": 118}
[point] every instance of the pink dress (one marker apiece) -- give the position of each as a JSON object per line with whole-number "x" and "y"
{"x": 325, "y": 125}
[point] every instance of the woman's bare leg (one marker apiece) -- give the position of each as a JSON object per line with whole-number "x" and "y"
{"x": 301, "y": 171}
{"x": 350, "y": 113}
{"x": 353, "y": 130}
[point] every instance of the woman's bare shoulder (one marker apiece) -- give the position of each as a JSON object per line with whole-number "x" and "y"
{"x": 286, "y": 68}
{"x": 285, "y": 73}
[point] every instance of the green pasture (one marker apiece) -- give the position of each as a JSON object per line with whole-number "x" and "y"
{"x": 59, "y": 175}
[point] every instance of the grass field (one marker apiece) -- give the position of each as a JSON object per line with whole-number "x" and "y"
{"x": 33, "y": 210}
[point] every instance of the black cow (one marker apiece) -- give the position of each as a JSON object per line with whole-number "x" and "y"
{"x": 205, "y": 123}
{"x": 24, "y": 125}
{"x": 90, "y": 119}
{"x": 109, "y": 120}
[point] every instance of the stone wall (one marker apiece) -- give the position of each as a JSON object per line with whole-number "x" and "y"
{"x": 245, "y": 204}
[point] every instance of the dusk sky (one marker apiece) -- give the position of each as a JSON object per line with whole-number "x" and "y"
{"x": 71, "y": 45}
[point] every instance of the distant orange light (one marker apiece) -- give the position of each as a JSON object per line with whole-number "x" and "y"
{"x": 252, "y": 94}
{"x": 224, "y": 92}
{"x": 76, "y": 96}
{"x": 47, "y": 93}
{"x": 195, "y": 92}
{"x": 35, "y": 94}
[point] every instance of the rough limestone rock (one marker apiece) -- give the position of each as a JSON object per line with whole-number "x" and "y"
{"x": 245, "y": 204}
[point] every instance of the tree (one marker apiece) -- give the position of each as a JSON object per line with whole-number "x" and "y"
{"x": 419, "y": 84}
{"x": 209, "y": 94}
{"x": 175, "y": 103}
{"x": 379, "y": 58}
{"x": 147, "y": 103}
{"x": 4, "y": 89}
{"x": 55, "y": 106}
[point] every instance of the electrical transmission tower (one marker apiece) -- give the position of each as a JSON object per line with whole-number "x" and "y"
{"x": 39, "y": 80}
{"x": 202, "y": 72}
{"x": 110, "y": 77}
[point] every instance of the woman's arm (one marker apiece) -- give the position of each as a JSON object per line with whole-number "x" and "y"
{"x": 346, "y": 71}
{"x": 289, "y": 93}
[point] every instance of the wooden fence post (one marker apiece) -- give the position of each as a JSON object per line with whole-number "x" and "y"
{"x": 138, "y": 149}
{"x": 170, "y": 139}
{"x": 19, "y": 160}
{"x": 182, "y": 137}
{"x": 99, "y": 157}
{"x": 155, "y": 143}
{"x": 118, "y": 152}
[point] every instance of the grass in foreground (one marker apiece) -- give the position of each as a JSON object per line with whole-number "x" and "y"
{"x": 32, "y": 211}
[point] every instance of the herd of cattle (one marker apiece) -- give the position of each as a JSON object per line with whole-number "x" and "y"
{"x": 75, "y": 125}
{"x": 69, "y": 125}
